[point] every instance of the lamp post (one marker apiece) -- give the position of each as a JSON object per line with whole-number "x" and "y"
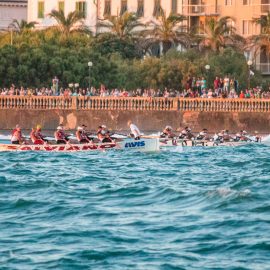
{"x": 249, "y": 63}
{"x": 207, "y": 68}
{"x": 90, "y": 64}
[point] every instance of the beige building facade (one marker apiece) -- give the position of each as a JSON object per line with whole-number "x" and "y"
{"x": 10, "y": 10}
{"x": 196, "y": 11}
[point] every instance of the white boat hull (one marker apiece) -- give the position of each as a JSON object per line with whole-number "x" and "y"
{"x": 144, "y": 145}
{"x": 198, "y": 143}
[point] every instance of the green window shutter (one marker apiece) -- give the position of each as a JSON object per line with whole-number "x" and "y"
{"x": 107, "y": 8}
{"x": 123, "y": 7}
{"x": 174, "y": 7}
{"x": 61, "y": 6}
{"x": 140, "y": 8}
{"x": 157, "y": 9}
{"x": 40, "y": 9}
{"x": 81, "y": 7}
{"x": 84, "y": 10}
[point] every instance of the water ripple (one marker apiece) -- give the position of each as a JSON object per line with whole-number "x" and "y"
{"x": 197, "y": 208}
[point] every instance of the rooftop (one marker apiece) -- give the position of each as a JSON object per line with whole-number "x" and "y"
{"x": 13, "y": 2}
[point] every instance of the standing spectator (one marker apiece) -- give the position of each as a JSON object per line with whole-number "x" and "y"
{"x": 216, "y": 83}
{"x": 226, "y": 83}
{"x": 203, "y": 83}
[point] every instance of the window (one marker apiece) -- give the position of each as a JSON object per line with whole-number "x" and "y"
{"x": 265, "y": 6}
{"x": 107, "y": 8}
{"x": 124, "y": 7}
{"x": 231, "y": 26}
{"x": 246, "y": 27}
{"x": 174, "y": 6}
{"x": 40, "y": 9}
{"x": 157, "y": 9}
{"x": 246, "y": 2}
{"x": 140, "y": 9}
{"x": 228, "y": 2}
{"x": 61, "y": 6}
{"x": 81, "y": 7}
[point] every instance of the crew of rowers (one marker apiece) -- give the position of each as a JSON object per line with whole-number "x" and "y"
{"x": 222, "y": 136}
{"x": 60, "y": 136}
{"x": 104, "y": 136}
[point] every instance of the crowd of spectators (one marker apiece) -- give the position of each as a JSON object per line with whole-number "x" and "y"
{"x": 193, "y": 88}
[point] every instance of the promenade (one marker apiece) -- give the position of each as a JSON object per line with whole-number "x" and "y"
{"x": 135, "y": 104}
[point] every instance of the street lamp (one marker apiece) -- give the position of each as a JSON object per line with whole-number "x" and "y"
{"x": 90, "y": 64}
{"x": 249, "y": 63}
{"x": 207, "y": 67}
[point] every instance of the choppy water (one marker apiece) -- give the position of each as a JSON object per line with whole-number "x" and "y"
{"x": 203, "y": 208}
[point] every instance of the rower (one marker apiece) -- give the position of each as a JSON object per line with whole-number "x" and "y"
{"x": 220, "y": 136}
{"x": 227, "y": 137}
{"x": 36, "y": 136}
{"x": 107, "y": 137}
{"x": 186, "y": 133}
{"x": 60, "y": 136}
{"x": 167, "y": 133}
{"x": 81, "y": 136}
{"x": 203, "y": 135}
{"x": 16, "y": 135}
{"x": 135, "y": 132}
{"x": 101, "y": 132}
{"x": 85, "y": 133}
{"x": 258, "y": 138}
{"x": 241, "y": 136}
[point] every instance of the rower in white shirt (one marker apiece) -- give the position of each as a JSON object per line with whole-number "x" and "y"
{"x": 135, "y": 132}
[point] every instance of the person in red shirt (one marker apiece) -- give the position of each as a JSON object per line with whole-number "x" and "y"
{"x": 36, "y": 136}
{"x": 242, "y": 94}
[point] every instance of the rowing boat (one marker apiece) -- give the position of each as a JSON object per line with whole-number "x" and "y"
{"x": 144, "y": 145}
{"x": 198, "y": 143}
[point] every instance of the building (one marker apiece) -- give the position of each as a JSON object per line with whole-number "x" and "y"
{"x": 196, "y": 11}
{"x": 38, "y": 11}
{"x": 10, "y": 10}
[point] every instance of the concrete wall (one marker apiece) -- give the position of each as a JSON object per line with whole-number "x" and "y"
{"x": 147, "y": 120}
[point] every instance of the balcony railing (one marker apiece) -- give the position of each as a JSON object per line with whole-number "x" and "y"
{"x": 135, "y": 104}
{"x": 200, "y": 10}
{"x": 259, "y": 9}
{"x": 264, "y": 68}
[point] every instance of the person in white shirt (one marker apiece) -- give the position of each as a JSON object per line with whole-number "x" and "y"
{"x": 135, "y": 132}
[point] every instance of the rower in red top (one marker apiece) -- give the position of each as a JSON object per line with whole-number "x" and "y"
{"x": 81, "y": 136}
{"x": 60, "y": 136}
{"x": 36, "y": 136}
{"x": 16, "y": 135}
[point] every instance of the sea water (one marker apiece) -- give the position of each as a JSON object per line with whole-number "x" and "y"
{"x": 185, "y": 208}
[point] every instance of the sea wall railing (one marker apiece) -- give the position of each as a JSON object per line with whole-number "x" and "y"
{"x": 134, "y": 104}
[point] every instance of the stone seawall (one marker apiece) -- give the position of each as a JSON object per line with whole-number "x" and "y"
{"x": 146, "y": 120}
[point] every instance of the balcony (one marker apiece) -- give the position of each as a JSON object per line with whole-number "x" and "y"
{"x": 260, "y": 9}
{"x": 200, "y": 10}
{"x": 264, "y": 68}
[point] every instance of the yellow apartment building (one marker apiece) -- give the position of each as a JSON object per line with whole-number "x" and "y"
{"x": 196, "y": 11}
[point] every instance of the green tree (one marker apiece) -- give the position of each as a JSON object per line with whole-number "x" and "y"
{"x": 107, "y": 44}
{"x": 167, "y": 31}
{"x": 123, "y": 26}
{"x": 219, "y": 34}
{"x": 73, "y": 22}
{"x": 261, "y": 42}
{"x": 22, "y": 26}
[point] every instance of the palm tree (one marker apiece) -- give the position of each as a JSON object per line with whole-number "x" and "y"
{"x": 123, "y": 26}
{"x": 22, "y": 26}
{"x": 167, "y": 32}
{"x": 261, "y": 42}
{"x": 218, "y": 34}
{"x": 72, "y": 23}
